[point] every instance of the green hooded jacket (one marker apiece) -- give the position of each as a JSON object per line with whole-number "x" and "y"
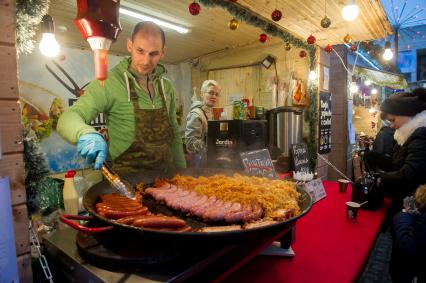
{"x": 114, "y": 101}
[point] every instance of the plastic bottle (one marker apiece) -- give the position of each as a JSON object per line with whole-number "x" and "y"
{"x": 70, "y": 194}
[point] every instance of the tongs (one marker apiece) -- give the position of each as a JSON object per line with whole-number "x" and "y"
{"x": 122, "y": 186}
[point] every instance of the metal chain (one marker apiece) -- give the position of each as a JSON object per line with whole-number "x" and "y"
{"x": 42, "y": 259}
{"x": 333, "y": 167}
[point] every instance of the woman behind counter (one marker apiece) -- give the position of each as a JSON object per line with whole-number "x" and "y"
{"x": 407, "y": 114}
{"x": 196, "y": 121}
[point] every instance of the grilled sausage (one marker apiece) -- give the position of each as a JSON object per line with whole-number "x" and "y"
{"x": 117, "y": 214}
{"x": 159, "y": 221}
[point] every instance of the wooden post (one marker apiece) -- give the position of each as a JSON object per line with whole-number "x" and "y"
{"x": 11, "y": 161}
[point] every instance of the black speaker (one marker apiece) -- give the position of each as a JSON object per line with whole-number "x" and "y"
{"x": 227, "y": 138}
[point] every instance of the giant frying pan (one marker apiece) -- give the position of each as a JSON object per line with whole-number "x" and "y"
{"x": 91, "y": 198}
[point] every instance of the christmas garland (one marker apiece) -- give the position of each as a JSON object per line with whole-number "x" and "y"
{"x": 28, "y": 16}
{"x": 243, "y": 14}
{"x": 381, "y": 79}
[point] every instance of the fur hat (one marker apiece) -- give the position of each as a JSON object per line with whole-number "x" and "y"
{"x": 405, "y": 103}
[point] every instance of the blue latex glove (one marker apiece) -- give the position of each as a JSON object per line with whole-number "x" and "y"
{"x": 93, "y": 147}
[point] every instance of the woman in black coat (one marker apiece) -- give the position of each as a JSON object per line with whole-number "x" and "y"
{"x": 407, "y": 114}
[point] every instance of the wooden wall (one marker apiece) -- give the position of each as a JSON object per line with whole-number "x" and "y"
{"x": 254, "y": 81}
{"x": 11, "y": 163}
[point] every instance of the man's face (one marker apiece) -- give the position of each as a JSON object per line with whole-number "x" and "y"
{"x": 211, "y": 96}
{"x": 146, "y": 50}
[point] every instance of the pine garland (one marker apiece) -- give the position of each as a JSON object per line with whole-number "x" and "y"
{"x": 28, "y": 16}
{"x": 36, "y": 169}
{"x": 243, "y": 14}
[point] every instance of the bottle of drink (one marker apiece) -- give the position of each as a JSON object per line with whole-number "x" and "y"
{"x": 70, "y": 194}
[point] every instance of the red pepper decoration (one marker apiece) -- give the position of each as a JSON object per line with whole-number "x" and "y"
{"x": 276, "y": 15}
{"x": 194, "y": 8}
{"x": 263, "y": 37}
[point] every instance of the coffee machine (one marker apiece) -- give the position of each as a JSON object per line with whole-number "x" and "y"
{"x": 226, "y": 139}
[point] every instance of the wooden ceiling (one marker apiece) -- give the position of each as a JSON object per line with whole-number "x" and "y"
{"x": 210, "y": 32}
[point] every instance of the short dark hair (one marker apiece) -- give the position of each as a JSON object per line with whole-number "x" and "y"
{"x": 149, "y": 27}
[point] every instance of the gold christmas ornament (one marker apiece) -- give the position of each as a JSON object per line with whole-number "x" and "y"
{"x": 233, "y": 24}
{"x": 325, "y": 22}
{"x": 347, "y": 38}
{"x": 287, "y": 46}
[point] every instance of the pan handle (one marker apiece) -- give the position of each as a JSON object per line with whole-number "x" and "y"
{"x": 66, "y": 218}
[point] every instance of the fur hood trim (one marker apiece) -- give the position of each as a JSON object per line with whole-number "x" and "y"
{"x": 403, "y": 133}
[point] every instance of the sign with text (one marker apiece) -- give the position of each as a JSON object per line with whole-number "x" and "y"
{"x": 300, "y": 157}
{"x": 258, "y": 162}
{"x": 316, "y": 189}
{"x": 325, "y": 123}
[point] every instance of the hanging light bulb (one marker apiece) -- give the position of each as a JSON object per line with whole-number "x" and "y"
{"x": 312, "y": 75}
{"x": 374, "y": 91}
{"x": 354, "y": 87}
{"x": 388, "y": 54}
{"x": 367, "y": 82}
{"x": 48, "y": 45}
{"x": 351, "y": 11}
{"x": 372, "y": 110}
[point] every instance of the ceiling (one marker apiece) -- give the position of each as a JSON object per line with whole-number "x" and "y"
{"x": 210, "y": 32}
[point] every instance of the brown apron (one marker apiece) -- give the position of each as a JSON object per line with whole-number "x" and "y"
{"x": 151, "y": 147}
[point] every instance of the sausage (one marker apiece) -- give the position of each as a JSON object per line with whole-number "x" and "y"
{"x": 159, "y": 221}
{"x": 116, "y": 214}
{"x": 128, "y": 220}
{"x": 117, "y": 207}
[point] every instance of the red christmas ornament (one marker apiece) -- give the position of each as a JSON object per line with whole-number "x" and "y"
{"x": 328, "y": 48}
{"x": 276, "y": 15}
{"x": 303, "y": 54}
{"x": 263, "y": 37}
{"x": 311, "y": 39}
{"x": 353, "y": 48}
{"x": 194, "y": 8}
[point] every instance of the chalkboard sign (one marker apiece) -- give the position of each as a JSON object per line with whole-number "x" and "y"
{"x": 316, "y": 189}
{"x": 300, "y": 157}
{"x": 258, "y": 162}
{"x": 325, "y": 123}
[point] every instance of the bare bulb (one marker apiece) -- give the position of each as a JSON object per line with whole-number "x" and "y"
{"x": 388, "y": 54}
{"x": 367, "y": 82}
{"x": 354, "y": 87}
{"x": 312, "y": 75}
{"x": 374, "y": 91}
{"x": 48, "y": 45}
{"x": 350, "y": 12}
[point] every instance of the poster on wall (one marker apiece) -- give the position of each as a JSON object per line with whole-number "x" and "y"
{"x": 48, "y": 87}
{"x": 325, "y": 123}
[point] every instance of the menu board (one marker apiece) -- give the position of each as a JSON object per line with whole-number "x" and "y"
{"x": 258, "y": 162}
{"x": 316, "y": 189}
{"x": 300, "y": 156}
{"x": 325, "y": 123}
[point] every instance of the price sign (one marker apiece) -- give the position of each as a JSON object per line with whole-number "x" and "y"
{"x": 300, "y": 157}
{"x": 258, "y": 162}
{"x": 325, "y": 123}
{"x": 316, "y": 189}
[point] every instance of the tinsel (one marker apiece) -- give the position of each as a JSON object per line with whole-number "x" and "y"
{"x": 272, "y": 29}
{"x": 28, "y": 17}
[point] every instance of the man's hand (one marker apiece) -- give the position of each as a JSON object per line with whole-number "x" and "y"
{"x": 93, "y": 147}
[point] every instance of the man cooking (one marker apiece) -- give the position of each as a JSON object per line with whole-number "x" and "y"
{"x": 139, "y": 103}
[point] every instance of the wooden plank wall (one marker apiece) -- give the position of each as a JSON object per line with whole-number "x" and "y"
{"x": 11, "y": 163}
{"x": 255, "y": 81}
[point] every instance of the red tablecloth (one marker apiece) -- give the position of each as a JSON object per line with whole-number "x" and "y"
{"x": 328, "y": 247}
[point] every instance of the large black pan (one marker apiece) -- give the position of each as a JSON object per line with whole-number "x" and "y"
{"x": 92, "y": 197}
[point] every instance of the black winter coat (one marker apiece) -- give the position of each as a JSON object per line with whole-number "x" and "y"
{"x": 384, "y": 142}
{"x": 409, "y": 168}
{"x": 409, "y": 247}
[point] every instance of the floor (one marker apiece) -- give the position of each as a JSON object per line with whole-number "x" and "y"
{"x": 377, "y": 269}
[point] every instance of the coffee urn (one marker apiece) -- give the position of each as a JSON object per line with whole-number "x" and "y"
{"x": 285, "y": 127}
